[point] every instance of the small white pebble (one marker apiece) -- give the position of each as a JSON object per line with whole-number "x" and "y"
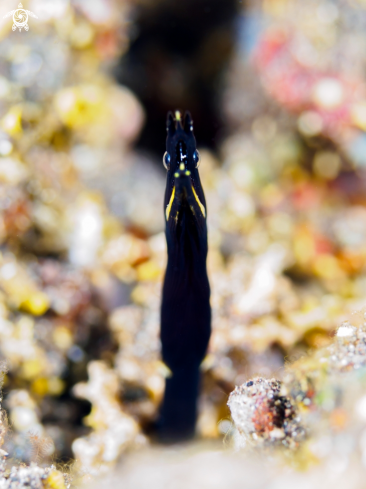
{"x": 345, "y": 331}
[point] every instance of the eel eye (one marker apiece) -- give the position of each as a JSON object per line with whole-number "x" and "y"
{"x": 196, "y": 158}
{"x": 166, "y": 160}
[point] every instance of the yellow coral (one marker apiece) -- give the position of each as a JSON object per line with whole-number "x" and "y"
{"x": 55, "y": 480}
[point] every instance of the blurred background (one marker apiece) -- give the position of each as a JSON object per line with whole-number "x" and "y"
{"x": 277, "y": 91}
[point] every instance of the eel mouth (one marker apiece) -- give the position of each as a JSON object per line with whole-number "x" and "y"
{"x": 184, "y": 194}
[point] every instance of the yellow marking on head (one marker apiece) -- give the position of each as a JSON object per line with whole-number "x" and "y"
{"x": 181, "y": 166}
{"x": 188, "y": 173}
{"x": 176, "y": 175}
{"x": 169, "y": 206}
{"x": 203, "y": 210}
{"x": 177, "y": 115}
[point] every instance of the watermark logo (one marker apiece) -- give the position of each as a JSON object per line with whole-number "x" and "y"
{"x": 20, "y": 18}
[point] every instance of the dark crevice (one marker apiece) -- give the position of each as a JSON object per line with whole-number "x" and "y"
{"x": 177, "y": 61}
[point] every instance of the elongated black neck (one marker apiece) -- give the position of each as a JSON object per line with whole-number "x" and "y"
{"x": 187, "y": 247}
{"x": 185, "y": 312}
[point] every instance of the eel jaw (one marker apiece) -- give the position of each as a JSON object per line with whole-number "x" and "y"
{"x": 184, "y": 190}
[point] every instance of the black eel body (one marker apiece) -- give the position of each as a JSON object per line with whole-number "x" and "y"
{"x": 185, "y": 309}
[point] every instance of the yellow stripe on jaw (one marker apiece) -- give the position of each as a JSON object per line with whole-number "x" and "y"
{"x": 169, "y": 206}
{"x": 203, "y": 210}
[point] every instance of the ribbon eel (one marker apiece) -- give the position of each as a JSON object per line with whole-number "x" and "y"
{"x": 185, "y": 309}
